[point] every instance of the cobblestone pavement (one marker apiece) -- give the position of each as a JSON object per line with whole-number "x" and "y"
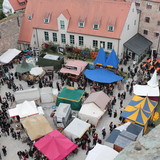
{"x": 15, "y": 145}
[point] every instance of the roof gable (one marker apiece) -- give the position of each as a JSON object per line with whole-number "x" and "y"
{"x": 16, "y": 4}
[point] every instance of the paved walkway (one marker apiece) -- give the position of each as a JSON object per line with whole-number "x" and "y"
{"x": 15, "y": 145}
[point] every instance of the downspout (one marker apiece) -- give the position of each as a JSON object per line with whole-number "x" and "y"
{"x": 37, "y": 38}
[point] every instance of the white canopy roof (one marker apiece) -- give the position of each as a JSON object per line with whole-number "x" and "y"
{"x": 91, "y": 112}
{"x": 76, "y": 129}
{"x": 145, "y": 90}
{"x": 36, "y": 71}
{"x": 62, "y": 110}
{"x": 46, "y": 95}
{"x": 7, "y": 56}
{"x": 101, "y": 152}
{"x": 153, "y": 82}
{"x": 25, "y": 109}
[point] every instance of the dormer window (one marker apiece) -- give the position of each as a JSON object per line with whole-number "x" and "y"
{"x": 47, "y": 18}
{"x": 96, "y": 26}
{"x": 30, "y": 17}
{"x": 110, "y": 28}
{"x": 81, "y": 24}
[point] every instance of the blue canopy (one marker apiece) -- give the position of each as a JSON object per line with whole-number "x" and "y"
{"x": 112, "y": 60}
{"x": 102, "y": 75}
{"x": 101, "y": 58}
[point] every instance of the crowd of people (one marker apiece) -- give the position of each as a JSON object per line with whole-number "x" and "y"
{"x": 135, "y": 75}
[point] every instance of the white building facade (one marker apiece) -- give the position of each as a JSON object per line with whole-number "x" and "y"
{"x": 63, "y": 36}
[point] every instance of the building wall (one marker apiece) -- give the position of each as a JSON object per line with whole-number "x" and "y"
{"x": 133, "y": 22}
{"x": 38, "y": 35}
{"x": 7, "y": 8}
{"x": 152, "y": 27}
{"x": 9, "y": 32}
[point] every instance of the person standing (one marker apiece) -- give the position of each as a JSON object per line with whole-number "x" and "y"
{"x": 58, "y": 87}
{"x": 103, "y": 132}
{"x": 4, "y": 150}
{"x": 115, "y": 113}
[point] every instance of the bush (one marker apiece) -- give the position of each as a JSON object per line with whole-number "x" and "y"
{"x": 2, "y": 15}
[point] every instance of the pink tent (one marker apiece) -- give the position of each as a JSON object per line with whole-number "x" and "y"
{"x": 74, "y": 67}
{"x": 55, "y": 146}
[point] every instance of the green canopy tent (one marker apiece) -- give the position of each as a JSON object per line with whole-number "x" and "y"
{"x": 24, "y": 67}
{"x": 71, "y": 96}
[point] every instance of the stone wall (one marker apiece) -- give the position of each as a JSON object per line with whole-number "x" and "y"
{"x": 147, "y": 148}
{"x": 9, "y": 31}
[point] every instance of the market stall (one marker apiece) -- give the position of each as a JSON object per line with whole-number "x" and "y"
{"x": 71, "y": 96}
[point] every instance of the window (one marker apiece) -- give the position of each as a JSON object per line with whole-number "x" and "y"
{"x": 54, "y": 37}
{"x": 134, "y": 22}
{"x": 137, "y": 4}
{"x": 145, "y": 32}
{"x": 46, "y": 20}
{"x": 81, "y": 41}
{"x": 46, "y": 36}
{"x": 95, "y": 43}
{"x": 156, "y": 34}
{"x": 34, "y": 42}
{"x": 109, "y": 45}
{"x": 147, "y": 19}
{"x": 63, "y": 38}
{"x": 128, "y": 27}
{"x": 102, "y": 44}
{"x": 149, "y": 6}
{"x": 95, "y": 26}
{"x": 81, "y": 24}
{"x": 22, "y": 3}
{"x": 29, "y": 17}
{"x": 110, "y": 28}
{"x": 133, "y": 10}
{"x": 62, "y": 26}
{"x": 158, "y": 23}
{"x": 71, "y": 39}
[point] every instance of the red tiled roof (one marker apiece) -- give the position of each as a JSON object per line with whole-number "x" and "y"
{"x": 89, "y": 10}
{"x": 15, "y": 4}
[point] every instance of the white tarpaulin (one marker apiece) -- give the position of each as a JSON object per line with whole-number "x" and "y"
{"x": 36, "y": 71}
{"x": 46, "y": 95}
{"x": 9, "y": 55}
{"x": 145, "y": 90}
{"x": 90, "y": 112}
{"x": 76, "y": 129}
{"x": 28, "y": 94}
{"x": 23, "y": 110}
{"x": 101, "y": 152}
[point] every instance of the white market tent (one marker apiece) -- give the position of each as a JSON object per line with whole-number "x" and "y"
{"x": 101, "y": 152}
{"x": 46, "y": 95}
{"x": 76, "y": 129}
{"x": 91, "y": 112}
{"x": 27, "y": 94}
{"x": 153, "y": 82}
{"x": 62, "y": 112}
{"x": 151, "y": 89}
{"x": 23, "y": 110}
{"x": 9, "y": 55}
{"x": 145, "y": 90}
{"x": 99, "y": 98}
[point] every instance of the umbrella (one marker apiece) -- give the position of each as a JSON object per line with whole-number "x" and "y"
{"x": 36, "y": 71}
{"x": 24, "y": 67}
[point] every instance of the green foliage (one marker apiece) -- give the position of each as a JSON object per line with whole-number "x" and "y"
{"x": 2, "y": 15}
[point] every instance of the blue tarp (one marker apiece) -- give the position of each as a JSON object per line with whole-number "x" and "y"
{"x": 101, "y": 58}
{"x": 102, "y": 75}
{"x": 112, "y": 60}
